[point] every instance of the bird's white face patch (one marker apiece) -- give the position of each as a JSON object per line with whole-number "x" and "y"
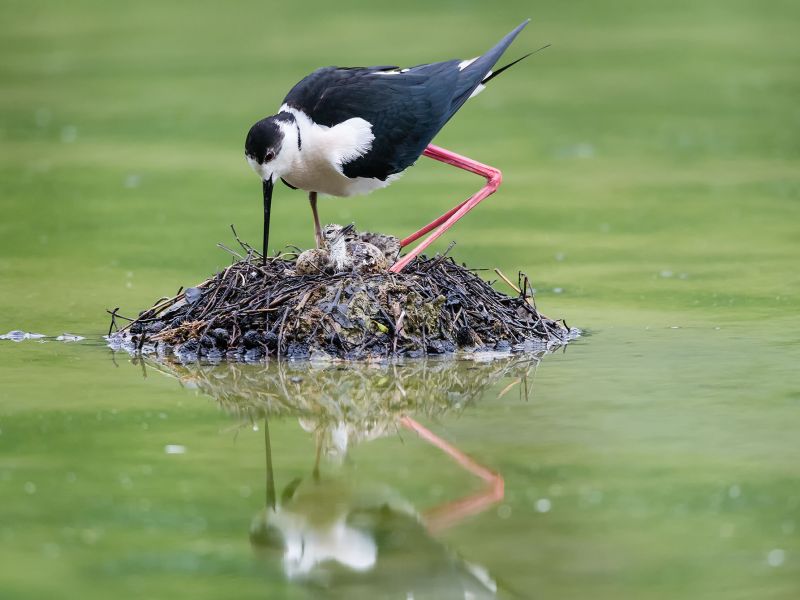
{"x": 260, "y": 170}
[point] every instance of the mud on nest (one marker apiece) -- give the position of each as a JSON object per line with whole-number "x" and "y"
{"x": 255, "y": 309}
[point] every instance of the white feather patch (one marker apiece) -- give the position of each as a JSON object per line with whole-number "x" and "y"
{"x": 480, "y": 87}
{"x": 465, "y": 63}
{"x": 392, "y": 72}
{"x": 352, "y": 138}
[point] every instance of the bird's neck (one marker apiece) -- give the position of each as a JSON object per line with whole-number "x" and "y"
{"x": 290, "y": 149}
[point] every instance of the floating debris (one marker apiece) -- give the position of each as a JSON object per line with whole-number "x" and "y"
{"x": 288, "y": 307}
{"x": 18, "y": 336}
{"x": 69, "y": 337}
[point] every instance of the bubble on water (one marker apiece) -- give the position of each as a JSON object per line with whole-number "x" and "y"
{"x": 543, "y": 505}
{"x": 674, "y": 326}
{"x": 255, "y": 426}
{"x": 577, "y": 150}
{"x": 175, "y": 449}
{"x": 683, "y": 276}
{"x": 69, "y": 133}
{"x": 666, "y": 274}
{"x": 504, "y": 511}
{"x": 51, "y": 550}
{"x": 42, "y": 117}
{"x": 90, "y": 536}
{"x": 775, "y": 557}
{"x": 29, "y": 487}
{"x": 560, "y": 256}
{"x": 132, "y": 181}
{"x": 734, "y": 491}
{"x": 558, "y": 290}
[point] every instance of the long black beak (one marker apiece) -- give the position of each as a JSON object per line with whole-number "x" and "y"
{"x": 267, "y": 185}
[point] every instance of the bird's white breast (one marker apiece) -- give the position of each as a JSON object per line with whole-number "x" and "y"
{"x": 317, "y": 165}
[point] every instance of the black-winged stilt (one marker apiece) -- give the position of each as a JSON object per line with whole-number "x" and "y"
{"x": 347, "y": 131}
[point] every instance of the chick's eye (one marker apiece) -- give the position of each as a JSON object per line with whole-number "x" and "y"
{"x": 269, "y": 156}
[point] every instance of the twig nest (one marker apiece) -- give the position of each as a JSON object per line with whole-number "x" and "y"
{"x": 340, "y": 301}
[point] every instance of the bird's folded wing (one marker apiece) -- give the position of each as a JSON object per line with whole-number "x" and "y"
{"x": 406, "y": 109}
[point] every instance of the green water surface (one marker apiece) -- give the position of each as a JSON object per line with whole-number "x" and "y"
{"x": 651, "y": 191}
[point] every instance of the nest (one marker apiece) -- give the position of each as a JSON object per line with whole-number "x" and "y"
{"x": 258, "y": 308}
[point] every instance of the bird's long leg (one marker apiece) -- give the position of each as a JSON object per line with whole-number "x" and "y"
{"x": 312, "y": 199}
{"x": 447, "y": 220}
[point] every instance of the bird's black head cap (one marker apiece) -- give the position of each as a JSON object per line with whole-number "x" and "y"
{"x": 265, "y": 138}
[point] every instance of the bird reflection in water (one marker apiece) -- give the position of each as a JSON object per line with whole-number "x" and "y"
{"x": 346, "y": 537}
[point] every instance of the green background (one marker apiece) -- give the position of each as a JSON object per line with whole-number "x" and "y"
{"x": 651, "y": 180}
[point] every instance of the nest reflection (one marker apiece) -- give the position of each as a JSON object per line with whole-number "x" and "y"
{"x": 361, "y": 395}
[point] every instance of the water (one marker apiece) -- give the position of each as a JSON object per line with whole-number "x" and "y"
{"x": 651, "y": 191}
{"x": 638, "y": 462}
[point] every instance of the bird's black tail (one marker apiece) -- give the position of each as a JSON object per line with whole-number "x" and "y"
{"x": 494, "y": 74}
{"x": 477, "y": 72}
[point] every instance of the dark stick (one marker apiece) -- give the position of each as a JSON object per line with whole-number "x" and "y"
{"x": 113, "y": 324}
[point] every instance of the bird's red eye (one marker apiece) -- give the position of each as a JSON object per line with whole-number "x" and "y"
{"x": 269, "y": 156}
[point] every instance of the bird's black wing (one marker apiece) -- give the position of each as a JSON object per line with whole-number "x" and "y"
{"x": 406, "y": 109}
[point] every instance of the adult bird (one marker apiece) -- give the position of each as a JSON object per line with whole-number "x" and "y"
{"x": 347, "y": 131}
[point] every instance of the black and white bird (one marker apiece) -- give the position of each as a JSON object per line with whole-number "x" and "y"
{"x": 347, "y": 131}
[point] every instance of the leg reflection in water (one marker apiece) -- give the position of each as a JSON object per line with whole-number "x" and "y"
{"x": 451, "y": 513}
{"x": 357, "y": 540}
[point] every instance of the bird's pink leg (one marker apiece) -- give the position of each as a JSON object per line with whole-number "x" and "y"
{"x": 447, "y": 220}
